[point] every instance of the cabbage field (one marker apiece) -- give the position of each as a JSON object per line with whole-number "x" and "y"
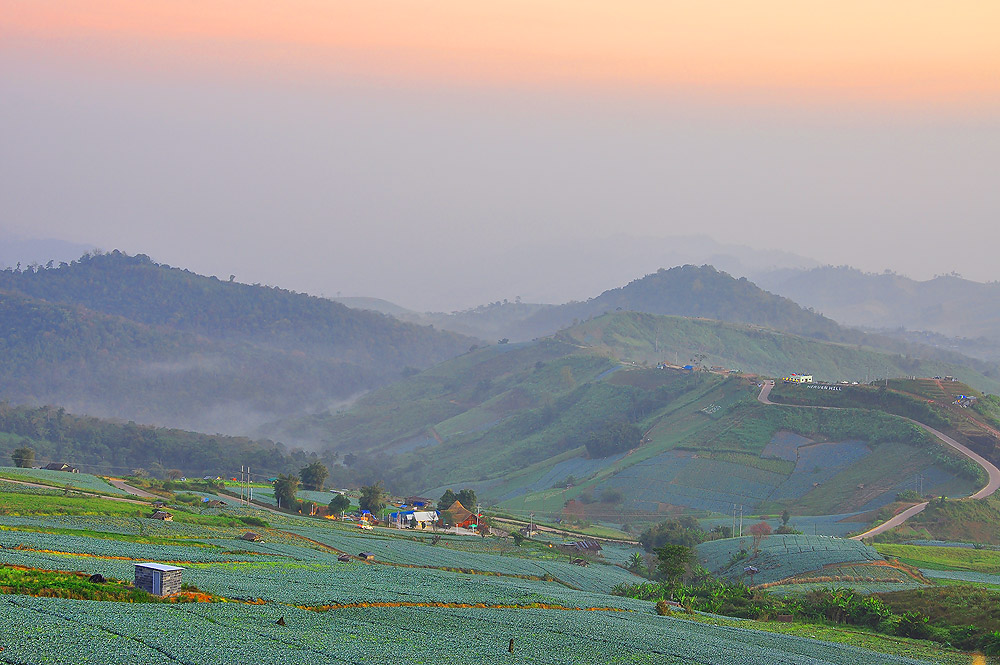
{"x": 420, "y": 601}
{"x": 780, "y": 556}
{"x": 49, "y": 630}
{"x": 80, "y": 481}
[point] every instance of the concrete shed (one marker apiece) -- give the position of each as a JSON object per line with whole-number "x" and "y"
{"x": 157, "y": 578}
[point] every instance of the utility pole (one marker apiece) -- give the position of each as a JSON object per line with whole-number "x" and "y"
{"x": 531, "y": 524}
{"x": 249, "y": 488}
{"x": 734, "y": 520}
{"x": 741, "y": 520}
{"x": 241, "y": 484}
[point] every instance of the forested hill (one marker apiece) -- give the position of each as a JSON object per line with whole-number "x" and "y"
{"x": 119, "y": 336}
{"x": 99, "y": 446}
{"x": 146, "y": 292}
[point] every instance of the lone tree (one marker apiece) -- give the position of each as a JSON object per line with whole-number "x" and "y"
{"x": 24, "y": 457}
{"x": 339, "y": 504}
{"x": 373, "y": 498}
{"x": 672, "y": 561}
{"x": 313, "y": 476}
{"x": 285, "y": 488}
{"x": 759, "y": 531}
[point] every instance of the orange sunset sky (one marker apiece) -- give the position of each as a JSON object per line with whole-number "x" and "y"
{"x": 482, "y": 150}
{"x": 910, "y": 51}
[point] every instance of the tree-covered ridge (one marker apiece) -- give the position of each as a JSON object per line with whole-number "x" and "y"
{"x": 110, "y": 448}
{"x": 137, "y": 288}
{"x": 109, "y": 366}
{"x": 119, "y": 336}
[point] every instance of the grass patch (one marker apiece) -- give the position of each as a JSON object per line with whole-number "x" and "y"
{"x": 22, "y": 581}
{"x": 943, "y": 558}
{"x": 854, "y": 636}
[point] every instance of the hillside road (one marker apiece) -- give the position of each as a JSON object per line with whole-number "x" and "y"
{"x": 123, "y": 486}
{"x": 992, "y": 472}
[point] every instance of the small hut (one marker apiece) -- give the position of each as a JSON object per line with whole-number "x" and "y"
{"x": 162, "y": 515}
{"x": 60, "y": 466}
{"x": 250, "y": 536}
{"x": 366, "y": 556}
{"x": 157, "y": 578}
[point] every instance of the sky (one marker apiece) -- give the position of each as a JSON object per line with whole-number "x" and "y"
{"x": 442, "y": 154}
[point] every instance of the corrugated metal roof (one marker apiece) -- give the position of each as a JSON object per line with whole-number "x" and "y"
{"x": 158, "y": 566}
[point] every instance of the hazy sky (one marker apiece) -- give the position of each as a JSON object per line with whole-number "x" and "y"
{"x": 444, "y": 153}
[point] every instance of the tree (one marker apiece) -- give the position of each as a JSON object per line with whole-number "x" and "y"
{"x": 447, "y": 499}
{"x": 24, "y": 457}
{"x": 785, "y": 516}
{"x": 672, "y": 561}
{"x": 313, "y": 476}
{"x": 373, "y": 498}
{"x": 175, "y": 474}
{"x": 684, "y": 531}
{"x": 339, "y": 504}
{"x": 613, "y": 438}
{"x": 468, "y": 498}
{"x": 759, "y": 531}
{"x": 285, "y": 488}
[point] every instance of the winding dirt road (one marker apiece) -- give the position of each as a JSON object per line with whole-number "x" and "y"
{"x": 992, "y": 472}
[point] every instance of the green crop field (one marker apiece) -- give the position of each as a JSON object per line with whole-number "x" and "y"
{"x": 944, "y": 558}
{"x": 61, "y": 479}
{"x": 353, "y": 612}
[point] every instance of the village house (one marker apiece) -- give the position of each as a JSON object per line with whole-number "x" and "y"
{"x": 162, "y": 515}
{"x": 457, "y": 515}
{"x": 414, "y": 519}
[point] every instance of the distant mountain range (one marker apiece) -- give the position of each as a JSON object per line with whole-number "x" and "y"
{"x": 122, "y": 336}
{"x": 948, "y": 305}
{"x": 691, "y": 291}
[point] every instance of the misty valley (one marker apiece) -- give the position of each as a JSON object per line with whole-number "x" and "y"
{"x": 687, "y": 445}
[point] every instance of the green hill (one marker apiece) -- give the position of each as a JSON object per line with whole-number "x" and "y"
{"x": 573, "y": 427}
{"x": 652, "y": 339}
{"x": 122, "y": 336}
{"x": 695, "y": 292}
